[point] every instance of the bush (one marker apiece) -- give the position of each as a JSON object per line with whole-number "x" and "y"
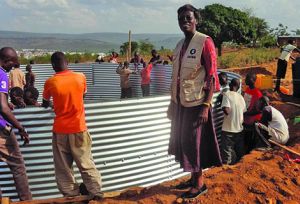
{"x": 267, "y": 41}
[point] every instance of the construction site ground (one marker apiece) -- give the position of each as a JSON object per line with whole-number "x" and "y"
{"x": 260, "y": 177}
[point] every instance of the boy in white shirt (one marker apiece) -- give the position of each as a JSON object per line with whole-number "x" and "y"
{"x": 233, "y": 106}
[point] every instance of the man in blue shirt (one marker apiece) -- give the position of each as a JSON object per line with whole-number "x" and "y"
{"x": 9, "y": 147}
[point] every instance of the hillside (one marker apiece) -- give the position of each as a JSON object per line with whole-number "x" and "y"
{"x": 99, "y": 42}
{"x": 54, "y": 43}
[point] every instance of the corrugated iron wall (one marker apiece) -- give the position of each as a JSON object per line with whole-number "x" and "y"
{"x": 130, "y": 140}
{"x": 104, "y": 83}
{"x": 107, "y": 82}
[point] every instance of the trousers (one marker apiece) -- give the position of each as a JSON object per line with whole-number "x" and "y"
{"x": 75, "y": 147}
{"x": 10, "y": 154}
{"x": 232, "y": 147}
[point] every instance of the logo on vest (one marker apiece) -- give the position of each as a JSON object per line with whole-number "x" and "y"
{"x": 192, "y": 52}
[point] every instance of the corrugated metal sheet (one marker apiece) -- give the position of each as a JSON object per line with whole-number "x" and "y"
{"x": 107, "y": 82}
{"x": 103, "y": 82}
{"x": 130, "y": 141}
{"x": 44, "y": 71}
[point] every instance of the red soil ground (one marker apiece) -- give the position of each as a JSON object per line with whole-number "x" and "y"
{"x": 260, "y": 177}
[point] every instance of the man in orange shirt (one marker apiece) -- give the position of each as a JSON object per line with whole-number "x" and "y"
{"x": 71, "y": 141}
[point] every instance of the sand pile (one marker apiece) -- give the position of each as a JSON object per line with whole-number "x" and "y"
{"x": 261, "y": 177}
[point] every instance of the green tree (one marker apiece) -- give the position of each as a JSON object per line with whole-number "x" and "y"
{"x": 267, "y": 41}
{"x": 225, "y": 24}
{"x": 281, "y": 30}
{"x": 124, "y": 47}
{"x": 110, "y": 51}
{"x": 297, "y": 32}
{"x": 259, "y": 29}
{"x": 145, "y": 47}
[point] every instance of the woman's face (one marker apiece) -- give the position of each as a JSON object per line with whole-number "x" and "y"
{"x": 187, "y": 22}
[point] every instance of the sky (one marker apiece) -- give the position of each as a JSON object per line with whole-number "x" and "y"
{"x": 139, "y": 16}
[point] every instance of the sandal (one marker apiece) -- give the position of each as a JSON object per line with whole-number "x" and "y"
{"x": 188, "y": 195}
{"x": 184, "y": 185}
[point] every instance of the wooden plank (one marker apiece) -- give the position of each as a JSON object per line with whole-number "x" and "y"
{"x": 54, "y": 200}
{"x": 5, "y": 200}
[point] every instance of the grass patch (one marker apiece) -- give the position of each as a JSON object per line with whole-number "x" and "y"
{"x": 72, "y": 58}
{"x": 247, "y": 57}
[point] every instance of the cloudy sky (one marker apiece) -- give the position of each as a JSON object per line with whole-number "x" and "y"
{"x": 141, "y": 16}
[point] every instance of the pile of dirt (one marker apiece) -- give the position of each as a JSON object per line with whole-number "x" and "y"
{"x": 257, "y": 70}
{"x": 261, "y": 177}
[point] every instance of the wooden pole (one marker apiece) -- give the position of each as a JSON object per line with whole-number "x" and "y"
{"x": 284, "y": 147}
{"x": 294, "y": 104}
{"x": 129, "y": 45}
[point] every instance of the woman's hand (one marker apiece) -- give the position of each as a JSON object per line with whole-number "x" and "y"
{"x": 203, "y": 114}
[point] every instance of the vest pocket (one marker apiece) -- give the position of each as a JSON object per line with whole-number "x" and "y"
{"x": 192, "y": 90}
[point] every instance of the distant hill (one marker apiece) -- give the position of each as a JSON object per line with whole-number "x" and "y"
{"x": 93, "y": 42}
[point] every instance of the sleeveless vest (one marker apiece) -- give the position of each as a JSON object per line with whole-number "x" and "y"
{"x": 192, "y": 72}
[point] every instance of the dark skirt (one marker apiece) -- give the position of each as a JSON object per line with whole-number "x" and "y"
{"x": 281, "y": 69}
{"x": 194, "y": 145}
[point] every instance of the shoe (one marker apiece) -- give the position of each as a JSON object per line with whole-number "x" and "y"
{"x": 184, "y": 185}
{"x": 98, "y": 197}
{"x": 188, "y": 195}
{"x": 83, "y": 190}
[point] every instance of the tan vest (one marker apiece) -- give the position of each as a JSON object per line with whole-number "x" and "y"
{"x": 192, "y": 73}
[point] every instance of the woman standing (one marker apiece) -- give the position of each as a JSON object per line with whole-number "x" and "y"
{"x": 193, "y": 139}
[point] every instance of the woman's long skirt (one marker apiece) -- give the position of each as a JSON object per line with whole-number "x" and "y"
{"x": 194, "y": 145}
